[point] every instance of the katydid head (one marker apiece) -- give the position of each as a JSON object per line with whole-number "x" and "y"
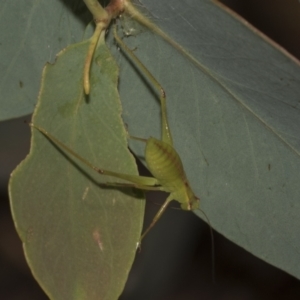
{"x": 192, "y": 203}
{"x": 182, "y": 192}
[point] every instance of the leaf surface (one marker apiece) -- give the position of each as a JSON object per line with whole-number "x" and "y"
{"x": 79, "y": 238}
{"x": 234, "y": 116}
{"x": 31, "y": 33}
{"x": 233, "y": 107}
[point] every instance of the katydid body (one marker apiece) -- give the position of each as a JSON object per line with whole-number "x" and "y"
{"x": 165, "y": 165}
{"x": 161, "y": 158}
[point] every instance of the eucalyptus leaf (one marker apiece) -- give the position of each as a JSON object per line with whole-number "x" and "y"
{"x": 31, "y": 33}
{"x": 233, "y": 111}
{"x": 79, "y": 236}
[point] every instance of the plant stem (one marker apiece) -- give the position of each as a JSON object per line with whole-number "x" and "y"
{"x": 98, "y": 12}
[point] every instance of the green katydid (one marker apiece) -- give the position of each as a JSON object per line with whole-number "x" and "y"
{"x": 162, "y": 159}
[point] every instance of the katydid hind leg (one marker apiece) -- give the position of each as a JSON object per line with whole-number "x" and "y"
{"x": 135, "y": 179}
{"x": 136, "y": 186}
{"x": 165, "y": 129}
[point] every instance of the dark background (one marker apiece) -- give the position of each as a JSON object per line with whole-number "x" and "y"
{"x": 176, "y": 259}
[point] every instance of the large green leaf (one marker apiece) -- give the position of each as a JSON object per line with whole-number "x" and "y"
{"x": 31, "y": 33}
{"x": 79, "y": 238}
{"x": 234, "y": 115}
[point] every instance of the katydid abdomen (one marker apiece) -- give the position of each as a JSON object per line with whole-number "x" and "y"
{"x": 165, "y": 165}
